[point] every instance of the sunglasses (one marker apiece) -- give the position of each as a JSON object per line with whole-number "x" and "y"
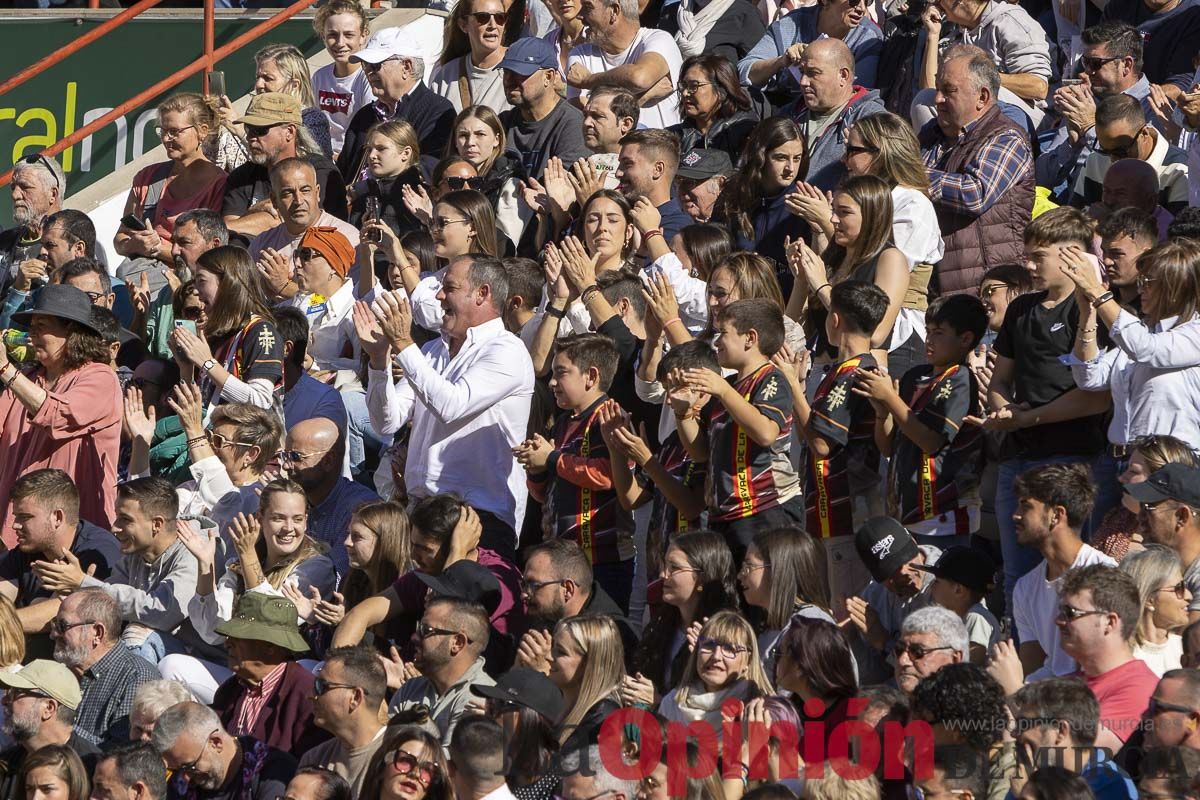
{"x": 854, "y": 150}
{"x": 220, "y": 442}
{"x": 1069, "y": 614}
{"x": 322, "y": 686}
{"x": 368, "y": 67}
{"x": 1157, "y": 707}
{"x": 1126, "y": 150}
{"x": 482, "y": 17}
{"x": 307, "y": 254}
{"x": 1093, "y": 63}
{"x": 458, "y": 183}
{"x": 916, "y": 652}
{"x": 190, "y": 767}
{"x": 258, "y": 131}
{"x": 45, "y": 161}
{"x": 407, "y": 764}
{"x": 1179, "y": 589}
{"x": 427, "y": 631}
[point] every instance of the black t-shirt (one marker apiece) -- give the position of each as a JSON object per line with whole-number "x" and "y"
{"x": 941, "y": 484}
{"x": 1036, "y": 338}
{"x": 251, "y": 183}
{"x": 93, "y": 546}
{"x": 254, "y": 352}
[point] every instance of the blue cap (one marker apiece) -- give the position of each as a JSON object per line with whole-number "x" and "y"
{"x": 527, "y": 56}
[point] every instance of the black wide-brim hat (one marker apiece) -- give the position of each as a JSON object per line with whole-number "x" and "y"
{"x": 62, "y": 301}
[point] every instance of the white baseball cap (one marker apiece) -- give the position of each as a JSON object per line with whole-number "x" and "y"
{"x": 389, "y": 43}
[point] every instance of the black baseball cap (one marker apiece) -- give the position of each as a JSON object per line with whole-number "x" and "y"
{"x": 884, "y": 545}
{"x": 1173, "y": 482}
{"x": 972, "y": 568}
{"x": 466, "y": 580}
{"x": 701, "y": 164}
{"x": 529, "y": 688}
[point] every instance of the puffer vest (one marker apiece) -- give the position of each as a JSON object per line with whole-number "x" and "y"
{"x": 974, "y": 244}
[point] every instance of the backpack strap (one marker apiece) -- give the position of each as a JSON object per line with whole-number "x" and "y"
{"x": 154, "y": 192}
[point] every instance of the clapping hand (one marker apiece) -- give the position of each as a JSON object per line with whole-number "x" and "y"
{"x": 532, "y": 454}
{"x": 794, "y": 366}
{"x": 275, "y": 269}
{"x": 533, "y": 652}
{"x": 187, "y": 402}
{"x": 585, "y": 180}
{"x": 201, "y": 544}
{"x": 558, "y": 186}
{"x": 706, "y": 382}
{"x": 577, "y": 265}
{"x": 808, "y": 202}
{"x": 877, "y": 386}
{"x": 418, "y": 203}
{"x": 370, "y": 335}
{"x": 244, "y": 530}
{"x": 138, "y": 421}
{"x": 63, "y": 575}
{"x": 685, "y": 401}
{"x": 395, "y": 319}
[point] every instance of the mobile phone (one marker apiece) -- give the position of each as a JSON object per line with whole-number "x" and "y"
{"x": 190, "y": 325}
{"x": 216, "y": 83}
{"x": 1072, "y": 82}
{"x": 133, "y": 223}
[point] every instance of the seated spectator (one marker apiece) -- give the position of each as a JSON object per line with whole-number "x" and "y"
{"x": 392, "y": 163}
{"x": 394, "y": 63}
{"x": 716, "y": 109}
{"x": 608, "y": 115}
{"x": 930, "y": 638}
{"x": 40, "y": 701}
{"x": 1123, "y": 133}
{"x": 269, "y": 695}
{"x": 132, "y": 771}
{"x": 451, "y": 639}
{"x": 527, "y": 705}
{"x": 65, "y": 413}
{"x": 46, "y": 522}
{"x": 1164, "y": 596}
{"x": 1125, "y": 236}
{"x": 1058, "y": 721}
{"x": 186, "y": 181}
{"x": 341, "y": 88}
{"x": 727, "y": 31}
{"x": 699, "y": 181}
{"x": 66, "y": 235}
{"x": 646, "y": 168}
{"x": 755, "y": 201}
{"x": 1169, "y": 32}
{"x": 149, "y": 702}
{"x": 87, "y": 640}
{"x": 284, "y": 69}
{"x": 276, "y": 133}
{"x": 1121, "y": 532}
{"x": 954, "y": 770}
{"x": 468, "y": 72}
{"x": 620, "y": 51}
{"x": 814, "y": 663}
{"x": 773, "y": 63}
{"x": 540, "y": 125}
{"x": 1172, "y": 710}
{"x": 832, "y": 102}
{"x": 587, "y": 663}
{"x": 980, "y": 172}
{"x": 326, "y": 295}
{"x": 55, "y": 769}
{"x": 347, "y": 694}
{"x": 479, "y": 137}
{"x": 315, "y": 451}
{"x": 1168, "y": 501}
{"x": 478, "y": 766}
{"x": 37, "y": 190}
{"x": 1130, "y": 183}
{"x": 409, "y": 765}
{"x": 219, "y": 766}
{"x": 962, "y": 578}
{"x": 1010, "y": 37}
{"x": 304, "y": 397}
{"x": 584, "y": 775}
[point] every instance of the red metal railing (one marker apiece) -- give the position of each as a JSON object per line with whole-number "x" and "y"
{"x": 205, "y": 63}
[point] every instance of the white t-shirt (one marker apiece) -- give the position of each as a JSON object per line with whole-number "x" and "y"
{"x": 1161, "y": 658}
{"x": 485, "y": 87}
{"x": 339, "y": 98}
{"x": 1035, "y": 608}
{"x": 666, "y": 111}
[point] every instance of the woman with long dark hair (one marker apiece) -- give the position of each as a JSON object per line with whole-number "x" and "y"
{"x": 409, "y": 765}
{"x": 715, "y": 107}
{"x": 528, "y": 707}
{"x": 814, "y": 663}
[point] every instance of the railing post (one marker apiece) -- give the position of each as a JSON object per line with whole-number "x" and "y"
{"x": 209, "y": 38}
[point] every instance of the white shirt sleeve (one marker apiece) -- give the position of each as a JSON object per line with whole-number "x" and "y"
{"x": 690, "y": 293}
{"x": 1177, "y": 348}
{"x": 426, "y": 308}
{"x": 388, "y": 406}
{"x": 1094, "y": 375}
{"x": 487, "y": 381}
{"x": 915, "y": 228}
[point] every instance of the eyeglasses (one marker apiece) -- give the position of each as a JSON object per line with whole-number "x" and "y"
{"x": 94, "y": 296}
{"x": 190, "y": 767}
{"x": 259, "y": 131}
{"x": 427, "y": 631}
{"x": 854, "y": 150}
{"x": 691, "y": 87}
{"x": 724, "y": 650}
{"x": 192, "y": 312}
{"x": 171, "y": 134}
{"x": 1157, "y": 707}
{"x": 441, "y": 222}
{"x": 1150, "y": 508}
{"x": 916, "y": 652}
{"x": 1069, "y": 614}
{"x": 1094, "y": 63}
{"x": 1179, "y": 589}
{"x": 220, "y": 442}
{"x": 458, "y": 182}
{"x": 988, "y": 291}
{"x": 748, "y": 567}
{"x": 322, "y": 686}
{"x": 1143, "y": 280}
{"x": 529, "y": 587}
{"x": 45, "y": 161}
{"x": 59, "y": 627}
{"x": 299, "y": 455}
{"x": 407, "y": 764}
{"x": 670, "y": 570}
{"x": 1126, "y": 150}
{"x": 482, "y": 17}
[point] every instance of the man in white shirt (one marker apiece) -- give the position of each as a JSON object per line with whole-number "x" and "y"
{"x": 1053, "y": 502}
{"x": 620, "y": 52}
{"x": 467, "y": 393}
{"x": 477, "y": 768}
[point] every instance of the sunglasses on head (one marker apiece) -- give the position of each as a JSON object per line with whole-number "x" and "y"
{"x": 482, "y": 17}
{"x": 45, "y": 161}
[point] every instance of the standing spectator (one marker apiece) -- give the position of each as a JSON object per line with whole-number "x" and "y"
{"x": 620, "y": 51}
{"x": 716, "y": 109}
{"x": 980, "y": 172}
{"x": 162, "y": 192}
{"x": 1165, "y": 597}
{"x": 37, "y": 190}
{"x": 773, "y": 62}
{"x": 468, "y": 72}
{"x": 275, "y": 133}
{"x": 87, "y": 641}
{"x": 1170, "y": 31}
{"x": 67, "y": 413}
{"x": 342, "y": 87}
{"x": 395, "y": 68}
{"x": 540, "y": 125}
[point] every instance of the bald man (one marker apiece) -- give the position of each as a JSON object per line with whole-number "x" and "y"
{"x": 832, "y": 102}
{"x": 314, "y": 456}
{"x": 1130, "y": 183}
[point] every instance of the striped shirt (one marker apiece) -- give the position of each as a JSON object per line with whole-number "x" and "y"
{"x": 253, "y": 700}
{"x": 1168, "y": 161}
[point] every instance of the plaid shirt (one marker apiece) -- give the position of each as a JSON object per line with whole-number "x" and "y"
{"x": 1000, "y": 163}
{"x": 108, "y": 687}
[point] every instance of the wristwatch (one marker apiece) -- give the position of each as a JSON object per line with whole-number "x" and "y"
{"x": 208, "y": 365}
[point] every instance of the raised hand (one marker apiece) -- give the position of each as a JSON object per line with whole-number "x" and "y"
{"x": 395, "y": 319}
{"x": 578, "y": 267}
{"x": 533, "y": 652}
{"x": 275, "y": 269}
{"x": 660, "y": 298}
{"x": 418, "y": 203}
{"x": 535, "y": 195}
{"x": 201, "y": 544}
{"x": 244, "y": 530}
{"x": 685, "y": 401}
{"x": 138, "y": 421}
{"x": 139, "y": 295}
{"x": 370, "y": 335}
{"x": 637, "y": 690}
{"x": 558, "y": 185}
{"x": 794, "y": 365}
{"x": 192, "y": 347}
{"x": 633, "y": 445}
{"x": 585, "y": 180}
{"x": 187, "y": 402}
{"x": 63, "y": 575}
{"x": 646, "y": 216}
{"x": 808, "y": 202}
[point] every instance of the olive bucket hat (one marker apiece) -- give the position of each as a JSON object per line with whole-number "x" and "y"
{"x": 262, "y": 618}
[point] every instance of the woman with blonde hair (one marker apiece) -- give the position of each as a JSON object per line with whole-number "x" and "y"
{"x": 283, "y": 68}
{"x": 744, "y": 276}
{"x": 587, "y": 663}
{"x": 187, "y": 180}
{"x": 1158, "y": 573}
{"x": 379, "y": 547}
{"x": 392, "y": 163}
{"x": 468, "y": 72}
{"x": 54, "y": 772}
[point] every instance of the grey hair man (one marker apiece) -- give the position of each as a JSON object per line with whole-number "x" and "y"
{"x": 131, "y": 772}
{"x": 37, "y": 190}
{"x": 468, "y": 395}
{"x": 585, "y": 776}
{"x": 930, "y": 638}
{"x": 149, "y": 702}
{"x": 191, "y": 740}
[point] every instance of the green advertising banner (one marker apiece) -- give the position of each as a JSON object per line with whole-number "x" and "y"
{"x": 93, "y": 81}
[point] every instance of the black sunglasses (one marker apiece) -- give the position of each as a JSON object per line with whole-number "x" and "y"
{"x": 258, "y": 131}
{"x": 322, "y": 686}
{"x": 915, "y": 651}
{"x": 482, "y": 17}
{"x": 1094, "y": 63}
{"x": 458, "y": 183}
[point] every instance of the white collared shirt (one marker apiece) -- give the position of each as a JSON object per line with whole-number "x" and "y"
{"x": 468, "y": 412}
{"x": 332, "y": 329}
{"x": 1154, "y": 376}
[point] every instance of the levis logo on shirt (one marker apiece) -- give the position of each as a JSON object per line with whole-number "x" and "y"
{"x": 333, "y": 102}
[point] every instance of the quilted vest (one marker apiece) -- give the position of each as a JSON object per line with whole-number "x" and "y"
{"x": 974, "y": 244}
